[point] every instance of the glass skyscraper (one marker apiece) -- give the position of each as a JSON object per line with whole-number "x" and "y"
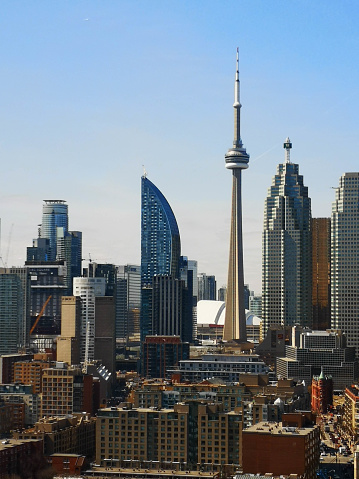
{"x": 321, "y": 273}
{"x": 286, "y": 261}
{"x": 54, "y": 215}
{"x": 160, "y": 246}
{"x": 345, "y": 259}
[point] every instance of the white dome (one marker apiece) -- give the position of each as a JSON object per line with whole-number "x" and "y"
{"x": 211, "y": 312}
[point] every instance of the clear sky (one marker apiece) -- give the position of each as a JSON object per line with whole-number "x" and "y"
{"x": 93, "y": 90}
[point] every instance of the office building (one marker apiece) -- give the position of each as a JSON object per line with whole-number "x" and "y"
{"x": 160, "y": 247}
{"x": 236, "y": 160}
{"x": 344, "y": 259}
{"x": 227, "y": 367}
{"x": 207, "y": 287}
{"x": 321, "y": 273}
{"x": 289, "y": 447}
{"x": 255, "y": 305}
{"x": 11, "y": 312}
{"x": 160, "y": 353}
{"x": 320, "y": 351}
{"x": 286, "y": 260}
{"x": 128, "y": 301}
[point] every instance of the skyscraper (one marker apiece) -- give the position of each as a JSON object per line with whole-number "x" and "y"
{"x": 54, "y": 215}
{"x": 321, "y": 273}
{"x": 236, "y": 160}
{"x": 344, "y": 259}
{"x": 286, "y": 267}
{"x": 128, "y": 300}
{"x": 160, "y": 247}
{"x": 88, "y": 289}
{"x": 11, "y": 312}
{"x": 207, "y": 287}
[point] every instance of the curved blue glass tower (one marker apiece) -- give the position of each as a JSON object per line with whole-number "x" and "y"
{"x": 54, "y": 215}
{"x": 160, "y": 246}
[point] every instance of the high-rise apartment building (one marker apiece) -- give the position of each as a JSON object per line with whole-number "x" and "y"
{"x": 321, "y": 273}
{"x": 236, "y": 160}
{"x": 56, "y": 243}
{"x": 68, "y": 343}
{"x": 128, "y": 300}
{"x": 11, "y": 312}
{"x": 47, "y": 281}
{"x": 24, "y": 326}
{"x": 160, "y": 247}
{"x": 66, "y": 390}
{"x": 287, "y": 261}
{"x": 344, "y": 259}
{"x": 88, "y": 289}
{"x": 207, "y": 287}
{"x": 188, "y": 274}
{"x": 54, "y": 215}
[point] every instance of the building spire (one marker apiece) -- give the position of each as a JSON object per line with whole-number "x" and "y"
{"x": 287, "y": 145}
{"x": 237, "y": 142}
{"x": 237, "y": 157}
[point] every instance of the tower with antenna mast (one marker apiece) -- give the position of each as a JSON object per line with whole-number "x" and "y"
{"x": 236, "y": 159}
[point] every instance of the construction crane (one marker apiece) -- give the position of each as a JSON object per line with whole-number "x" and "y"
{"x": 40, "y": 314}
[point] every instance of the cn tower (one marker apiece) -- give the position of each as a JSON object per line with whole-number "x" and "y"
{"x": 236, "y": 159}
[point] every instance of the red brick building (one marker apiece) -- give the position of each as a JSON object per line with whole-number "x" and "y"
{"x": 19, "y": 456}
{"x": 67, "y": 463}
{"x": 322, "y": 393}
{"x": 282, "y": 449}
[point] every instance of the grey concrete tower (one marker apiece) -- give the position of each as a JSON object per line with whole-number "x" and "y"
{"x": 236, "y": 160}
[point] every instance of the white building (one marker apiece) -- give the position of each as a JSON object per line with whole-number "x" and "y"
{"x": 345, "y": 259}
{"x": 88, "y": 289}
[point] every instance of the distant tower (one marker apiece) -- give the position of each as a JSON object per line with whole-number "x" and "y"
{"x": 287, "y": 261}
{"x": 236, "y": 160}
{"x": 54, "y": 215}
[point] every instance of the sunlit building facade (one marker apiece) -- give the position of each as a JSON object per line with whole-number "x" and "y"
{"x": 345, "y": 259}
{"x": 321, "y": 273}
{"x": 286, "y": 260}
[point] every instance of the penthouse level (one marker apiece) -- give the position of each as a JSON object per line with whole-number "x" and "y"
{"x": 227, "y": 367}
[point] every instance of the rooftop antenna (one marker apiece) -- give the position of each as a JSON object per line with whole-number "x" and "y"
{"x": 287, "y": 145}
{"x": 144, "y": 171}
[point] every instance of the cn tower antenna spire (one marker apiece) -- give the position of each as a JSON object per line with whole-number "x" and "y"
{"x": 237, "y": 142}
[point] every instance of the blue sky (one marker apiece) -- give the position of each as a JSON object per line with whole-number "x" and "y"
{"x": 93, "y": 90}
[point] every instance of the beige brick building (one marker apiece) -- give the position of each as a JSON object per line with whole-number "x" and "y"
{"x": 194, "y": 435}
